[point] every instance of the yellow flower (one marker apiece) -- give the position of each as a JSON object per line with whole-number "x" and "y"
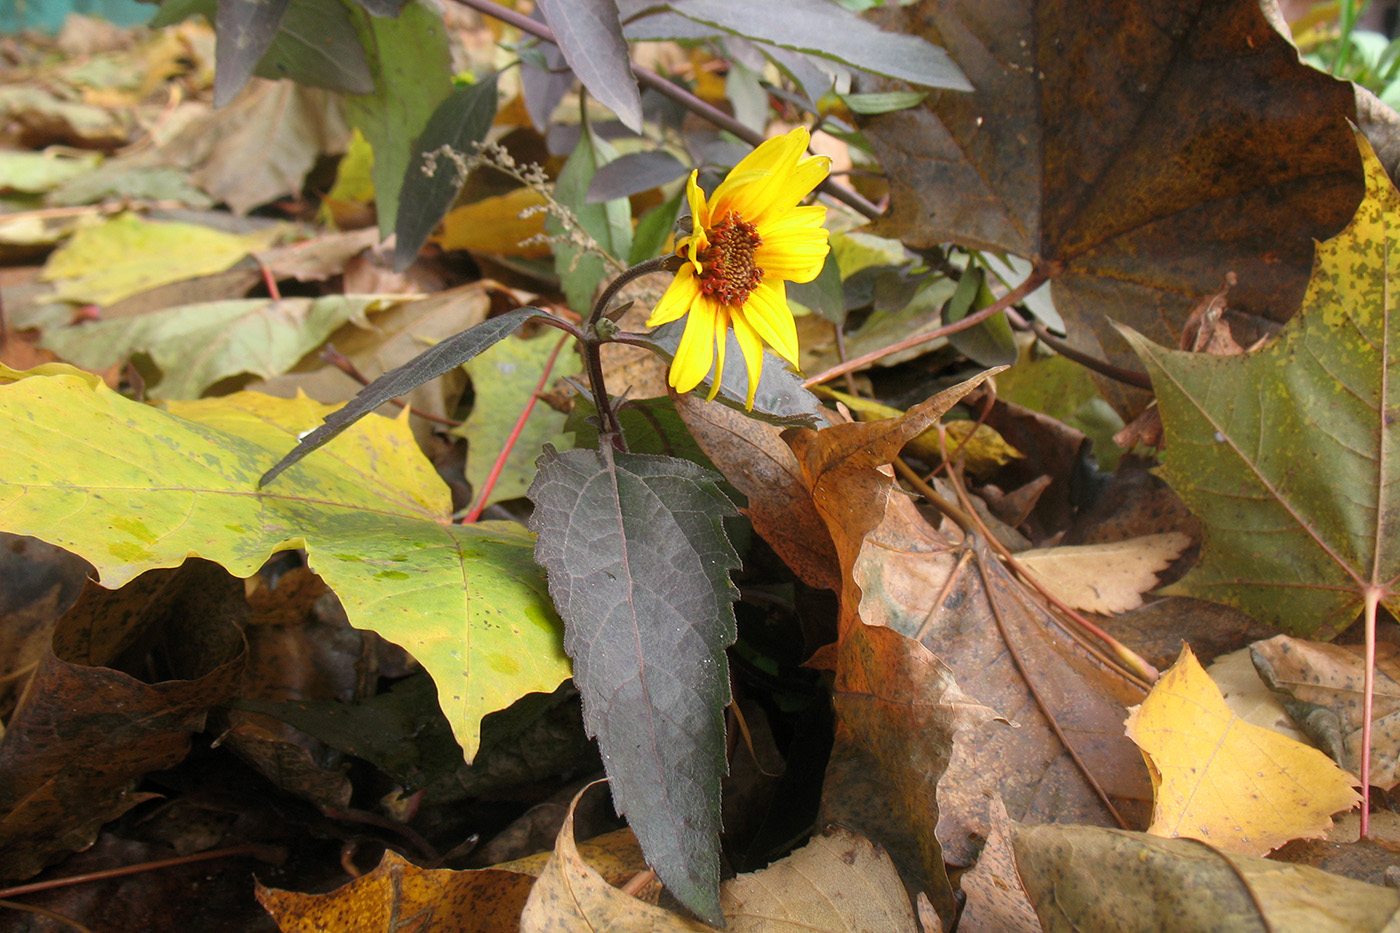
{"x": 746, "y": 240}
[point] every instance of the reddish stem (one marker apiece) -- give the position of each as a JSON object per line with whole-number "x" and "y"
{"x": 1036, "y": 280}
{"x": 500, "y": 463}
{"x": 1373, "y": 598}
{"x": 261, "y": 852}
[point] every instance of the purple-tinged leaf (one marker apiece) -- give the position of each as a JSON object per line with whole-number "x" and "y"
{"x": 632, "y": 173}
{"x": 638, "y": 566}
{"x": 820, "y": 27}
{"x": 590, "y": 36}
{"x": 317, "y": 45}
{"x": 544, "y": 85}
{"x": 243, "y": 30}
{"x": 459, "y": 123}
{"x": 431, "y": 363}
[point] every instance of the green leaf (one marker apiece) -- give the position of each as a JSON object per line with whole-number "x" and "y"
{"x": 990, "y": 343}
{"x": 1290, "y": 455}
{"x": 823, "y": 294}
{"x": 317, "y": 45}
{"x": 37, "y": 172}
{"x": 198, "y": 345}
{"x": 460, "y": 122}
{"x": 653, "y": 228}
{"x": 639, "y": 567}
{"x": 609, "y": 223}
{"x": 412, "y": 70}
{"x": 504, "y": 379}
{"x": 882, "y": 102}
{"x": 130, "y": 488}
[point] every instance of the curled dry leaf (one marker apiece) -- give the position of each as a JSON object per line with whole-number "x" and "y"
{"x": 1326, "y": 683}
{"x": 1221, "y": 780}
{"x": 570, "y": 895}
{"x": 1104, "y": 578}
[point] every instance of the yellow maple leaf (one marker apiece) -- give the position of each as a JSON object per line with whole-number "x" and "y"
{"x": 1224, "y": 781}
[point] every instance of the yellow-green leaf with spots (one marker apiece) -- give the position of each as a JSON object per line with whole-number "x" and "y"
{"x": 1290, "y": 455}
{"x": 131, "y": 487}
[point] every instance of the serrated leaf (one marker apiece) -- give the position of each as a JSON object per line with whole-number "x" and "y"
{"x": 590, "y": 36}
{"x": 243, "y": 31}
{"x": 1238, "y": 786}
{"x": 826, "y": 29}
{"x": 130, "y": 487}
{"x": 431, "y": 363}
{"x": 198, "y": 345}
{"x": 409, "y": 59}
{"x": 1290, "y": 455}
{"x": 638, "y": 566}
{"x": 460, "y": 122}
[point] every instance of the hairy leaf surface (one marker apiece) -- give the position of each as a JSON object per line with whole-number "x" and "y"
{"x": 639, "y": 567}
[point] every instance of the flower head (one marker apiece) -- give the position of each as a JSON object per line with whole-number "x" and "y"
{"x": 746, "y": 240}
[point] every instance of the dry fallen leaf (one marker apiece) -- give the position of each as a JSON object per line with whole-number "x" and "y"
{"x": 997, "y": 901}
{"x": 1221, "y": 780}
{"x": 1326, "y": 680}
{"x": 570, "y": 895}
{"x": 840, "y": 882}
{"x": 399, "y": 895}
{"x": 1104, "y": 578}
{"x": 1249, "y": 697}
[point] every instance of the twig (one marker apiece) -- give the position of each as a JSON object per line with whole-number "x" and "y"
{"x": 514, "y": 436}
{"x": 1118, "y": 374}
{"x": 1035, "y": 280}
{"x": 264, "y": 853}
{"x": 678, "y": 94}
{"x": 45, "y": 912}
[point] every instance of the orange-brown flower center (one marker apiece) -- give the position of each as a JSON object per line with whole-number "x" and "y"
{"x": 727, "y": 263}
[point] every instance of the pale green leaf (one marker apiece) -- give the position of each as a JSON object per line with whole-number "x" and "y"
{"x": 198, "y": 345}
{"x": 504, "y": 379}
{"x": 103, "y": 264}
{"x": 130, "y": 487}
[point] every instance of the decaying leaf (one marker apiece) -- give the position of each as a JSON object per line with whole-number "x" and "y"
{"x": 1221, "y": 780}
{"x": 1326, "y": 683}
{"x": 87, "y": 731}
{"x": 964, "y": 606}
{"x": 996, "y": 899}
{"x": 1249, "y": 697}
{"x": 1104, "y": 578}
{"x": 1286, "y": 454}
{"x": 399, "y": 894}
{"x": 1113, "y": 158}
{"x": 1084, "y": 878}
{"x": 132, "y": 488}
{"x": 840, "y": 882}
{"x": 570, "y": 895}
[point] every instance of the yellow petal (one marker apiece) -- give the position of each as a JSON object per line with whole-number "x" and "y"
{"x": 699, "y": 219}
{"x": 697, "y": 347}
{"x": 776, "y": 154}
{"x": 679, "y": 296}
{"x": 752, "y": 348}
{"x": 796, "y": 255}
{"x": 721, "y": 344}
{"x": 768, "y": 313}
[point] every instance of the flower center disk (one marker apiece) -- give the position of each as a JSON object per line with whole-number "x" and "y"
{"x": 728, "y": 269}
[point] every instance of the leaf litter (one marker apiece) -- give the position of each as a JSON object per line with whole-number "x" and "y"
{"x": 910, "y": 653}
